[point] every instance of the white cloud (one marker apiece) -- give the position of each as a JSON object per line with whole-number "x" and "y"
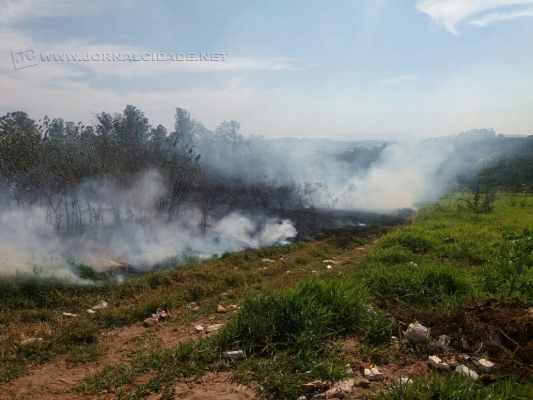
{"x": 497, "y": 17}
{"x": 451, "y": 13}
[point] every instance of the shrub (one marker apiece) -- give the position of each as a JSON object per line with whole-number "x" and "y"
{"x": 424, "y": 285}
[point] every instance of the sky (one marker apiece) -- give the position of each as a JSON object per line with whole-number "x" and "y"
{"x": 365, "y": 69}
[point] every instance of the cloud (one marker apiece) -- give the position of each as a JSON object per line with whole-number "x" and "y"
{"x": 451, "y": 13}
{"x": 497, "y": 17}
{"x": 12, "y": 11}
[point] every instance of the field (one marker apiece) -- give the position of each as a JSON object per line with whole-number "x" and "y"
{"x": 306, "y": 311}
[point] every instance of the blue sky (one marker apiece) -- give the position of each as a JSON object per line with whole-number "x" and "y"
{"x": 349, "y": 69}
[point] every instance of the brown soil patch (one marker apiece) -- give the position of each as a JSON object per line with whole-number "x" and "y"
{"x": 57, "y": 379}
{"x": 214, "y": 387}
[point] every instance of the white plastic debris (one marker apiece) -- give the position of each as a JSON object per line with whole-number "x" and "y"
{"x": 234, "y": 355}
{"x": 404, "y": 380}
{"x": 91, "y": 311}
{"x": 199, "y": 328}
{"x": 436, "y": 363}
{"x": 464, "y": 370}
{"x": 100, "y": 306}
{"x": 485, "y": 365}
{"x": 267, "y": 260}
{"x": 417, "y": 333}
{"x": 373, "y": 374}
{"x": 329, "y": 267}
{"x": 70, "y": 315}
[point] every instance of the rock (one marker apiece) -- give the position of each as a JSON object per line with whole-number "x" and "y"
{"x": 100, "y": 306}
{"x": 234, "y": 355}
{"x": 267, "y": 260}
{"x": 417, "y": 333}
{"x": 436, "y": 363}
{"x": 70, "y": 315}
{"x": 373, "y": 374}
{"x": 150, "y": 321}
{"x": 232, "y": 307}
{"x": 464, "y": 370}
{"x": 340, "y": 389}
{"x": 315, "y": 386}
{"x": 199, "y": 328}
{"x": 362, "y": 382}
{"x": 214, "y": 328}
{"x": 485, "y": 365}
{"x": 221, "y": 309}
{"x": 442, "y": 344}
{"x": 91, "y": 311}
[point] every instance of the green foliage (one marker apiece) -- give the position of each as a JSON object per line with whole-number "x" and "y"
{"x": 424, "y": 285}
{"x": 456, "y": 387}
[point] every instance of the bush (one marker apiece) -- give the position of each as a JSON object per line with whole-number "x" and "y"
{"x": 303, "y": 317}
{"x": 424, "y": 285}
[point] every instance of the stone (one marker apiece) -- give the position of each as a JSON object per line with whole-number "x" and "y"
{"x": 416, "y": 333}
{"x": 214, "y": 328}
{"x": 150, "y": 321}
{"x": 464, "y": 370}
{"x": 485, "y": 365}
{"x": 234, "y": 355}
{"x": 340, "y": 389}
{"x": 221, "y": 309}
{"x": 436, "y": 363}
{"x": 315, "y": 386}
{"x": 373, "y": 374}
{"x": 91, "y": 311}
{"x": 362, "y": 382}
{"x": 199, "y": 328}
{"x": 442, "y": 344}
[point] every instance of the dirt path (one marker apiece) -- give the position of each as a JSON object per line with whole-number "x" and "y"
{"x": 57, "y": 379}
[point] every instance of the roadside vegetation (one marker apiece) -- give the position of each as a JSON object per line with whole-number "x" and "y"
{"x": 461, "y": 272}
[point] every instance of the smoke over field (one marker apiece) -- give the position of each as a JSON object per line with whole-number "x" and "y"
{"x": 123, "y": 193}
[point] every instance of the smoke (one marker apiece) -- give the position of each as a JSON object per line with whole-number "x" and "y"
{"x": 127, "y": 230}
{"x": 395, "y": 176}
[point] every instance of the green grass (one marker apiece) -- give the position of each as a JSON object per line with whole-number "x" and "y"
{"x": 446, "y": 258}
{"x": 449, "y": 255}
{"x": 455, "y": 387}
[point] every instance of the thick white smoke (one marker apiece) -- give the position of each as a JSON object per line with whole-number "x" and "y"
{"x": 141, "y": 238}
